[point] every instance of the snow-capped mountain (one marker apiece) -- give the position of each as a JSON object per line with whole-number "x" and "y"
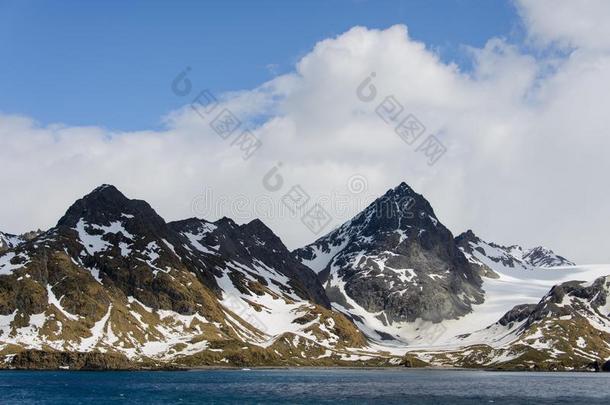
{"x": 115, "y": 286}
{"x": 496, "y": 256}
{"x": 490, "y": 333}
{"x": 114, "y": 278}
{"x": 254, "y": 247}
{"x": 569, "y": 328}
{"x": 393, "y": 264}
{"x": 543, "y": 257}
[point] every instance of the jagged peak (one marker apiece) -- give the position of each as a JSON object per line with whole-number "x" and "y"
{"x": 400, "y": 197}
{"x": 193, "y": 225}
{"x": 540, "y": 249}
{"x": 403, "y": 188}
{"x": 468, "y": 235}
{"x": 226, "y": 221}
{"x": 400, "y": 205}
{"x": 258, "y": 228}
{"x": 512, "y": 255}
{"x": 542, "y": 256}
{"x": 105, "y": 193}
{"x": 104, "y": 187}
{"x": 107, "y": 190}
{"x": 191, "y": 221}
{"x": 105, "y": 204}
{"x": 258, "y": 225}
{"x": 398, "y": 209}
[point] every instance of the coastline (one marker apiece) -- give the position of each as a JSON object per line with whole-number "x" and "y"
{"x": 293, "y": 368}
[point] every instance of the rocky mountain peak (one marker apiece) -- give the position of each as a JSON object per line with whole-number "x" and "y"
{"x": 403, "y": 189}
{"x": 258, "y": 230}
{"x": 544, "y": 257}
{"x": 403, "y": 200}
{"x": 106, "y": 205}
{"x": 108, "y": 190}
{"x": 120, "y": 239}
{"x": 399, "y": 210}
{"x": 226, "y": 222}
{"x": 250, "y": 250}
{"x": 398, "y": 259}
{"x": 468, "y": 236}
{"x": 497, "y": 257}
{"x": 105, "y": 196}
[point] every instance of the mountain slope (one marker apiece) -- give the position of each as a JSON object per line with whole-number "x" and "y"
{"x": 393, "y": 264}
{"x": 569, "y": 328}
{"x": 497, "y": 257}
{"x": 253, "y": 246}
{"x": 114, "y": 278}
{"x": 8, "y": 241}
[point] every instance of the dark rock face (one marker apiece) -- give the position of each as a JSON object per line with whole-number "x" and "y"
{"x": 251, "y": 245}
{"x": 106, "y": 204}
{"x": 398, "y": 258}
{"x": 467, "y": 242}
{"x": 542, "y": 257}
{"x": 130, "y": 246}
{"x": 474, "y": 247}
{"x": 512, "y": 257}
{"x": 517, "y": 314}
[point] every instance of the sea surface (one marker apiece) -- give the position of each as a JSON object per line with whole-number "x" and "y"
{"x": 304, "y": 386}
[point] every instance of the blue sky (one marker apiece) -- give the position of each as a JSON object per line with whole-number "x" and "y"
{"x": 86, "y": 63}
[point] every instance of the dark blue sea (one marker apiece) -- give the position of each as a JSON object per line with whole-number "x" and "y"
{"x": 304, "y": 386}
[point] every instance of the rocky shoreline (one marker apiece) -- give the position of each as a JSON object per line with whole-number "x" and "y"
{"x": 40, "y": 360}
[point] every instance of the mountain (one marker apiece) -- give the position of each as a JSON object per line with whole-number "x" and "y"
{"x": 543, "y": 257}
{"x": 568, "y": 329}
{"x": 496, "y": 256}
{"x": 397, "y": 246}
{"x": 393, "y": 264}
{"x": 251, "y": 246}
{"x": 115, "y": 286}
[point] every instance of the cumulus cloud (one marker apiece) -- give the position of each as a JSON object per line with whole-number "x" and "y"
{"x": 525, "y": 137}
{"x": 567, "y": 23}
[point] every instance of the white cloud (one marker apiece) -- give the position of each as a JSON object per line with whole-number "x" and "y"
{"x": 525, "y": 162}
{"x": 580, "y": 24}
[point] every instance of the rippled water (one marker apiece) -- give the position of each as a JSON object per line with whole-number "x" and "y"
{"x": 304, "y": 386}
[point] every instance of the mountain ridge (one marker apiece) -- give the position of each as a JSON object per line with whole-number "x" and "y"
{"x": 114, "y": 278}
{"x": 115, "y": 286}
{"x": 490, "y": 254}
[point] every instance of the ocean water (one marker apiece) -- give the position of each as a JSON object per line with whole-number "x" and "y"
{"x": 304, "y": 386}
